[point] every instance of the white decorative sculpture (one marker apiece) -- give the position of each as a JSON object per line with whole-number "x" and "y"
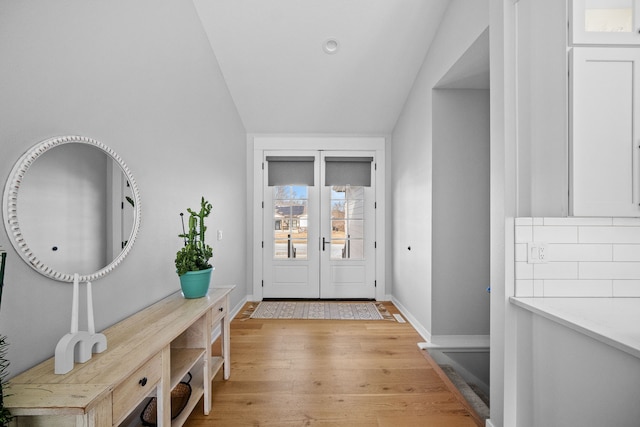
{"x": 79, "y": 345}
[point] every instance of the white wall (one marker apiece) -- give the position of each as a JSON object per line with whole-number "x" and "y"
{"x": 141, "y": 78}
{"x": 411, "y": 158}
{"x": 460, "y": 237}
{"x": 542, "y": 108}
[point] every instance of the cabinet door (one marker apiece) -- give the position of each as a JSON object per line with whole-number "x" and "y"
{"x": 604, "y": 151}
{"x": 605, "y": 21}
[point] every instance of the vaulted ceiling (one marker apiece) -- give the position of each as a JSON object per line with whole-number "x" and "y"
{"x": 271, "y": 53}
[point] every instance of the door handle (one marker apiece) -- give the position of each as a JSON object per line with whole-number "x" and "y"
{"x": 324, "y": 241}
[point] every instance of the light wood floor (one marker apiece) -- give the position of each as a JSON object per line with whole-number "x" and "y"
{"x": 331, "y": 373}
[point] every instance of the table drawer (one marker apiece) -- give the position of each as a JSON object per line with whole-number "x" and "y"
{"x": 218, "y": 310}
{"x": 130, "y": 392}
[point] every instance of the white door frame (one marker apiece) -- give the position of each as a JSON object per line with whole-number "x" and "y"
{"x": 263, "y": 143}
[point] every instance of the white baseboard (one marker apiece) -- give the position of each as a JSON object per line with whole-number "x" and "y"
{"x": 426, "y": 335}
{"x": 462, "y": 343}
{"x": 489, "y": 423}
{"x": 238, "y": 307}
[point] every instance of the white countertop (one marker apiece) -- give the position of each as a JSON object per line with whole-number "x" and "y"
{"x": 613, "y": 321}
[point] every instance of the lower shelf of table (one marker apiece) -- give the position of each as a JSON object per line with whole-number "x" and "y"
{"x": 197, "y": 391}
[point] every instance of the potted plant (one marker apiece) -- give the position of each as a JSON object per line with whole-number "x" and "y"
{"x": 192, "y": 260}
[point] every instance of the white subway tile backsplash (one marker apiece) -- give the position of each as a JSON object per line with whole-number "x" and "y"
{"x": 626, "y": 288}
{"x": 524, "y": 288}
{"x": 586, "y": 257}
{"x": 578, "y": 252}
{"x": 609, "y": 235}
{"x": 610, "y": 270}
{"x": 574, "y": 221}
{"x": 578, "y": 288}
{"x": 626, "y": 252}
{"x": 555, "y": 270}
{"x": 521, "y": 252}
{"x": 538, "y": 288}
{"x": 524, "y": 233}
{"x": 524, "y": 270}
{"x": 524, "y": 221}
{"x": 555, "y": 234}
{"x": 626, "y": 222}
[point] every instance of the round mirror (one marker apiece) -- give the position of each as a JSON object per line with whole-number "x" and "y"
{"x": 71, "y": 206}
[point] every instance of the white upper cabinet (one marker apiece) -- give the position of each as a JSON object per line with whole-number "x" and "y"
{"x": 605, "y": 22}
{"x": 605, "y": 131}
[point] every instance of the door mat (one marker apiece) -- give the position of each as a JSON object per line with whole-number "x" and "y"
{"x": 328, "y": 310}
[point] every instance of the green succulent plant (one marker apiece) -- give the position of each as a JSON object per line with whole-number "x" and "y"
{"x": 195, "y": 254}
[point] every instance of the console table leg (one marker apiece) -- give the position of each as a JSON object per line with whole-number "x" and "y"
{"x": 226, "y": 347}
{"x": 164, "y": 390}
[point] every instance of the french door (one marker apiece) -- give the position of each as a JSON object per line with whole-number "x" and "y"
{"x": 319, "y": 224}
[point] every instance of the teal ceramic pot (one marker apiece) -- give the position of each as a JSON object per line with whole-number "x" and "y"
{"x": 195, "y": 284}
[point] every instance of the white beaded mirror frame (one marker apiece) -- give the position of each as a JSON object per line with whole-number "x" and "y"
{"x": 12, "y": 221}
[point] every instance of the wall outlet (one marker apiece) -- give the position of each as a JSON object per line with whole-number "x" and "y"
{"x": 537, "y": 253}
{"x": 219, "y": 234}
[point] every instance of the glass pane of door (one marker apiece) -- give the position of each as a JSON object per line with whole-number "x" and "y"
{"x": 347, "y": 222}
{"x": 290, "y": 221}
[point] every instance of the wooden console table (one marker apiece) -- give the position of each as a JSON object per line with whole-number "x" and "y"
{"x": 148, "y": 354}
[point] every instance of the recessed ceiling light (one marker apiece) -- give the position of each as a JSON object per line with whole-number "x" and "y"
{"x": 330, "y": 46}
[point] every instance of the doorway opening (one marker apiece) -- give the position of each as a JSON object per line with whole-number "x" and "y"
{"x": 461, "y": 217}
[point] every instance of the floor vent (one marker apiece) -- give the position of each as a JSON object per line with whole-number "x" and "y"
{"x": 399, "y": 318}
